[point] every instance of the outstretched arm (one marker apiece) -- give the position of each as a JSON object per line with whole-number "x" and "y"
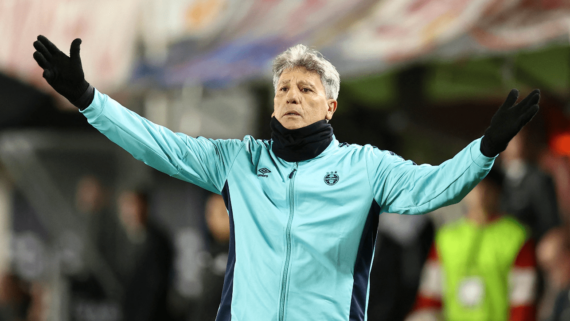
{"x": 201, "y": 161}
{"x": 400, "y": 186}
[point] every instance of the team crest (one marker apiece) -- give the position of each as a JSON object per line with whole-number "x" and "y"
{"x": 331, "y": 178}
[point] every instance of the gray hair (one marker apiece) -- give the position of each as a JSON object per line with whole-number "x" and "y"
{"x": 301, "y": 56}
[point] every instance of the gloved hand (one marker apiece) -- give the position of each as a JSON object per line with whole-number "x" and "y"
{"x": 508, "y": 121}
{"x": 63, "y": 73}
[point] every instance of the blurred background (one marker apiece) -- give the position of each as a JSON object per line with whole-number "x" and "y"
{"x": 89, "y": 233}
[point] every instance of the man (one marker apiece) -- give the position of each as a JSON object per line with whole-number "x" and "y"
{"x": 402, "y": 246}
{"x": 215, "y": 258}
{"x": 529, "y": 194}
{"x": 99, "y": 228}
{"x": 146, "y": 263}
{"x": 553, "y": 256}
{"x": 481, "y": 267}
{"x": 98, "y": 223}
{"x": 303, "y": 208}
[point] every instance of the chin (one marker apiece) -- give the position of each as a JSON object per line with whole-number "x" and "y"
{"x": 292, "y": 123}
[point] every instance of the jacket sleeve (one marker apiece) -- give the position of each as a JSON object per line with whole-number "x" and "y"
{"x": 200, "y": 161}
{"x": 403, "y": 187}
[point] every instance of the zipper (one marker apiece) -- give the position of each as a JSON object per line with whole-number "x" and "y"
{"x": 288, "y": 238}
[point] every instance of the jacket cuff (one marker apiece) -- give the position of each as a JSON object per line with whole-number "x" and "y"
{"x": 85, "y": 99}
{"x": 478, "y": 157}
{"x": 95, "y": 109}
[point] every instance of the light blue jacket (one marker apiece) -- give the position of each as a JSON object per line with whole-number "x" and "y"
{"x": 302, "y": 234}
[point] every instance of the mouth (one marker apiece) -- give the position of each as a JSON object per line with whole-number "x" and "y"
{"x": 292, "y": 113}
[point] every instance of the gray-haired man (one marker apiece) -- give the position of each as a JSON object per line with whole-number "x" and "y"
{"x": 303, "y": 208}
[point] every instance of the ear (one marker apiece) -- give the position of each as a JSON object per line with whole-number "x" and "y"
{"x": 331, "y": 108}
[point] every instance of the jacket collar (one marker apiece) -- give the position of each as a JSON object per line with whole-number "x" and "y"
{"x": 302, "y": 144}
{"x": 333, "y": 146}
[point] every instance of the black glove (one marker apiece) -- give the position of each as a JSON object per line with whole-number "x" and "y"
{"x": 64, "y": 73}
{"x": 508, "y": 121}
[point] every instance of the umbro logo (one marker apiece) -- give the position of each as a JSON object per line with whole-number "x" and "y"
{"x": 263, "y": 172}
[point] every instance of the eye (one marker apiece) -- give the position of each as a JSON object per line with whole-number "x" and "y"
{"x": 283, "y": 89}
{"x": 306, "y": 90}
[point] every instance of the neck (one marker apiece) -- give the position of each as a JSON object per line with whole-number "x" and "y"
{"x": 480, "y": 216}
{"x": 136, "y": 234}
{"x": 296, "y": 145}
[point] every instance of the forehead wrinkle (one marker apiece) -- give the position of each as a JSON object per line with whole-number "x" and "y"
{"x": 283, "y": 82}
{"x": 301, "y": 80}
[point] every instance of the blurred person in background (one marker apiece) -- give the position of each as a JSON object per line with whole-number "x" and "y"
{"x": 40, "y": 299}
{"x": 90, "y": 195}
{"x": 529, "y": 194}
{"x": 146, "y": 261}
{"x": 214, "y": 269}
{"x": 553, "y": 255}
{"x": 22, "y": 300}
{"x": 305, "y": 206}
{"x": 401, "y": 249}
{"x": 481, "y": 268}
{"x": 97, "y": 232}
{"x": 98, "y": 220}
{"x": 15, "y": 298}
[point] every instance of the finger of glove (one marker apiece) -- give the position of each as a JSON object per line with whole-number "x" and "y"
{"x": 74, "y": 51}
{"x": 48, "y": 75}
{"x": 528, "y": 115}
{"x": 41, "y": 60}
{"x": 42, "y": 49}
{"x": 511, "y": 99}
{"x": 48, "y": 44}
{"x": 526, "y": 103}
{"x": 531, "y": 99}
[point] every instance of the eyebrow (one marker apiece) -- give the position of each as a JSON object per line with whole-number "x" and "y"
{"x": 302, "y": 82}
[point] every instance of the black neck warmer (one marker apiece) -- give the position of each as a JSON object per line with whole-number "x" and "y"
{"x": 301, "y": 144}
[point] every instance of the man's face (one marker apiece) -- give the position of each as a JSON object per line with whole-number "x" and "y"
{"x": 515, "y": 149}
{"x": 131, "y": 210}
{"x": 301, "y": 100}
{"x": 89, "y": 196}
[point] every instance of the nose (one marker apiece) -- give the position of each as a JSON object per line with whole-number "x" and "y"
{"x": 293, "y": 96}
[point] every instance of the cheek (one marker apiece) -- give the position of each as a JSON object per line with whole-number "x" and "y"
{"x": 320, "y": 107}
{"x": 277, "y": 103}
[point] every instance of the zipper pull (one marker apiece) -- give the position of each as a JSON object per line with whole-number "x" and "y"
{"x": 292, "y": 173}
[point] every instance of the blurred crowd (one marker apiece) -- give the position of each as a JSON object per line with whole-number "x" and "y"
{"x": 121, "y": 266}
{"x": 506, "y": 256}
